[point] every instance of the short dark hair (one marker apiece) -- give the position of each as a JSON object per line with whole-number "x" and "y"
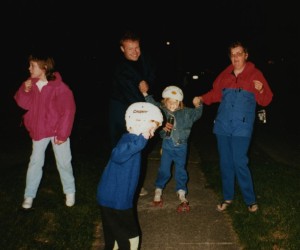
{"x": 237, "y": 44}
{"x": 45, "y": 62}
{"x": 129, "y": 35}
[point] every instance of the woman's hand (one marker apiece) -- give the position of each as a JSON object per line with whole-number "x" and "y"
{"x": 258, "y": 86}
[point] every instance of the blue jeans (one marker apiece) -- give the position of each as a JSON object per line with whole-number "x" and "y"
{"x": 233, "y": 152}
{"x": 170, "y": 153}
{"x": 63, "y": 158}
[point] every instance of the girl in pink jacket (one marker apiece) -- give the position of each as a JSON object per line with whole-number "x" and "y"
{"x": 50, "y": 115}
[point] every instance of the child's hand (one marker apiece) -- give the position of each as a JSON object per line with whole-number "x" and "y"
{"x": 27, "y": 86}
{"x": 197, "y": 101}
{"x": 146, "y": 135}
{"x": 168, "y": 127}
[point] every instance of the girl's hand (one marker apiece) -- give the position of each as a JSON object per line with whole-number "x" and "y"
{"x": 197, "y": 101}
{"x": 168, "y": 127}
{"x": 27, "y": 86}
{"x": 57, "y": 142}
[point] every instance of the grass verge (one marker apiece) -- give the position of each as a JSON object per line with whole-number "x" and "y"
{"x": 276, "y": 180}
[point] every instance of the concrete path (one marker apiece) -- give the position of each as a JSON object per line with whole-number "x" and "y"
{"x": 201, "y": 228}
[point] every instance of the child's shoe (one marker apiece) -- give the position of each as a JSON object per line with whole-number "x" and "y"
{"x": 27, "y": 203}
{"x": 70, "y": 200}
{"x": 184, "y": 204}
{"x": 157, "y": 201}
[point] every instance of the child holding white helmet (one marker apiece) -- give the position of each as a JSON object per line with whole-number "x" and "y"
{"x": 175, "y": 134}
{"x": 118, "y": 183}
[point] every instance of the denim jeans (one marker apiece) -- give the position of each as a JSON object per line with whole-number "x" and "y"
{"x": 170, "y": 153}
{"x": 63, "y": 158}
{"x": 233, "y": 152}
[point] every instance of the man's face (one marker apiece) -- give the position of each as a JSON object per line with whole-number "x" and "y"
{"x": 131, "y": 50}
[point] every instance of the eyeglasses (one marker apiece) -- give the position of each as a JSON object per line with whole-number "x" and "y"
{"x": 237, "y": 54}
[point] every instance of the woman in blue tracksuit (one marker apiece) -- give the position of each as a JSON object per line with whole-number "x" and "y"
{"x": 175, "y": 138}
{"x": 238, "y": 88}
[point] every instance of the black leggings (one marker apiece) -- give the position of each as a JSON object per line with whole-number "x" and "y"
{"x": 119, "y": 226}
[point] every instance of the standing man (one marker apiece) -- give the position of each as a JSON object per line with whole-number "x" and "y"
{"x": 132, "y": 72}
{"x": 237, "y": 88}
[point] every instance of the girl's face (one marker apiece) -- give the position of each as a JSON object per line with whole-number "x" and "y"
{"x": 171, "y": 104}
{"x": 36, "y": 71}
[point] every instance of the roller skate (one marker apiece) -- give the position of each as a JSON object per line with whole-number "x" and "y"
{"x": 184, "y": 204}
{"x": 157, "y": 201}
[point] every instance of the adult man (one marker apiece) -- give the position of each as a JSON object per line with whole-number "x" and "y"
{"x": 132, "y": 72}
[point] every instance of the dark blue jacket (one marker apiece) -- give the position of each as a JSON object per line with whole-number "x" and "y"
{"x": 127, "y": 77}
{"x": 118, "y": 183}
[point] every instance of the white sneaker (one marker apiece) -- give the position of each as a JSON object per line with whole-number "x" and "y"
{"x": 70, "y": 200}
{"x": 181, "y": 195}
{"x": 27, "y": 203}
{"x": 143, "y": 192}
{"x": 157, "y": 195}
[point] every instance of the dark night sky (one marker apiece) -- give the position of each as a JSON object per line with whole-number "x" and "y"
{"x": 83, "y": 37}
{"x": 203, "y": 30}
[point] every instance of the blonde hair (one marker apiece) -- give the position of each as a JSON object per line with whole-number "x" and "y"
{"x": 164, "y": 101}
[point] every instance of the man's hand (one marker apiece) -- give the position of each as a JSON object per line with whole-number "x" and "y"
{"x": 143, "y": 87}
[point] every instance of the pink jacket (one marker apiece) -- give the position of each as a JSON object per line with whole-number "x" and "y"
{"x": 50, "y": 112}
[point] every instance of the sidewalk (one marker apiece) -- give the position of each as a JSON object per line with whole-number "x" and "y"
{"x": 201, "y": 228}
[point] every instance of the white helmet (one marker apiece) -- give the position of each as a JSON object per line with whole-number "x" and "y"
{"x": 139, "y": 114}
{"x": 173, "y": 92}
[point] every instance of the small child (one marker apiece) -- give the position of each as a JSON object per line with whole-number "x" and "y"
{"x": 117, "y": 187}
{"x": 175, "y": 136}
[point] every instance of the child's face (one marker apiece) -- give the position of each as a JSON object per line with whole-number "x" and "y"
{"x": 172, "y": 104}
{"x": 147, "y": 129}
{"x": 35, "y": 70}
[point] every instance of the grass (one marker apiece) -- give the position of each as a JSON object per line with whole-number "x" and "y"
{"x": 276, "y": 178}
{"x": 51, "y": 225}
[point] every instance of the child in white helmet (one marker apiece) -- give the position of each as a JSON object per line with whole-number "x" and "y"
{"x": 175, "y": 134}
{"x": 118, "y": 183}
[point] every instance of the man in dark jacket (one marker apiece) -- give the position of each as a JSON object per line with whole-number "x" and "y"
{"x": 131, "y": 72}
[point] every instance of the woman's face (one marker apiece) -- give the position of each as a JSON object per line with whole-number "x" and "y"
{"x": 238, "y": 57}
